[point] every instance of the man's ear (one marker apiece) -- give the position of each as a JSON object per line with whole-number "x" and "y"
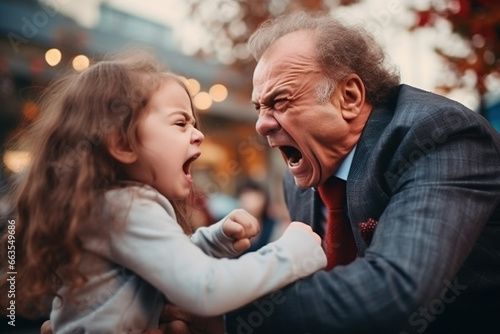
{"x": 120, "y": 150}
{"x": 352, "y": 97}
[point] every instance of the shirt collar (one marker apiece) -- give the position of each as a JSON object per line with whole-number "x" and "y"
{"x": 345, "y": 166}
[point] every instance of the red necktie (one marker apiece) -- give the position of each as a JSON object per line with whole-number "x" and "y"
{"x": 340, "y": 247}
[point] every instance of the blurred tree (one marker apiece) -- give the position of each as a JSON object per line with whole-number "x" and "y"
{"x": 477, "y": 22}
{"x": 229, "y": 23}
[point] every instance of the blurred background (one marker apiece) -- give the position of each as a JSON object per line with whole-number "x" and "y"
{"x": 451, "y": 47}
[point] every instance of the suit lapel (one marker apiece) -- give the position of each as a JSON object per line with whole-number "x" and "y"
{"x": 302, "y": 204}
{"x": 355, "y": 188}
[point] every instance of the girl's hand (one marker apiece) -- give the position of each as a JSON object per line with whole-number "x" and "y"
{"x": 241, "y": 226}
{"x": 306, "y": 228}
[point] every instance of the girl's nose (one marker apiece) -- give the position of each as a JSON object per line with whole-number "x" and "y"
{"x": 197, "y": 136}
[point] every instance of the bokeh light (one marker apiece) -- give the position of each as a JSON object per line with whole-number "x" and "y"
{"x": 218, "y": 92}
{"x": 53, "y": 57}
{"x": 193, "y": 86}
{"x": 202, "y": 101}
{"x": 80, "y": 62}
{"x": 16, "y": 161}
{"x": 30, "y": 110}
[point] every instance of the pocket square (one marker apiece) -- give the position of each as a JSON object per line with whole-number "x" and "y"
{"x": 366, "y": 229}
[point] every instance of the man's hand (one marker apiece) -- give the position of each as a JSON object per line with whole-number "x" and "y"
{"x": 175, "y": 320}
{"x": 241, "y": 226}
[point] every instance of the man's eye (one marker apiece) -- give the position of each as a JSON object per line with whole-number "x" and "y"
{"x": 280, "y": 104}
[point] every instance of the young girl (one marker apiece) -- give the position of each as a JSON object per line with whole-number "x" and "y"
{"x": 101, "y": 223}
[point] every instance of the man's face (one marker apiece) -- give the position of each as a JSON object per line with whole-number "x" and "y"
{"x": 312, "y": 136}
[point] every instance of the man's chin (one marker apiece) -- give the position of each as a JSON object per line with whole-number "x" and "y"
{"x": 304, "y": 182}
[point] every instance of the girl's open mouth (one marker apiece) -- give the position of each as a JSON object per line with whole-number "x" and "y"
{"x": 187, "y": 165}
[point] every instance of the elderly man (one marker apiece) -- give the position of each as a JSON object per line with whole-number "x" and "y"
{"x": 415, "y": 244}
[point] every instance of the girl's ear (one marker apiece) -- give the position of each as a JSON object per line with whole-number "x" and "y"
{"x": 121, "y": 150}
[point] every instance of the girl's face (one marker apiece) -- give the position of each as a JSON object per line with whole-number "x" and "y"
{"x": 169, "y": 141}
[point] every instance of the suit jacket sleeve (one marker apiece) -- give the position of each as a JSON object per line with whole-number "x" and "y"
{"x": 438, "y": 179}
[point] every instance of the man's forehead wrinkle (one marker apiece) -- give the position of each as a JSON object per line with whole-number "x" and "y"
{"x": 297, "y": 62}
{"x": 283, "y": 75}
{"x": 273, "y": 86}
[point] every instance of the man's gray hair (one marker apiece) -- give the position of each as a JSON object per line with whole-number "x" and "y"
{"x": 341, "y": 50}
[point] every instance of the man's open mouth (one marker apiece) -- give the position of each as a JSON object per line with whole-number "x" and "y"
{"x": 187, "y": 165}
{"x": 292, "y": 155}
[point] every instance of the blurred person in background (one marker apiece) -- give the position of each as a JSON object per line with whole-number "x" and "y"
{"x": 253, "y": 198}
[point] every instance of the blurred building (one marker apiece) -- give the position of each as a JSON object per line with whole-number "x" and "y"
{"x": 37, "y": 42}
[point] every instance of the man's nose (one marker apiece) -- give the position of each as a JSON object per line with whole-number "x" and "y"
{"x": 266, "y": 123}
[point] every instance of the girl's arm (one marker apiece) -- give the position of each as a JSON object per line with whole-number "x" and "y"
{"x": 153, "y": 245}
{"x": 212, "y": 241}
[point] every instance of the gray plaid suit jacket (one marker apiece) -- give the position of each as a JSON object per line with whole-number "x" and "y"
{"x": 428, "y": 170}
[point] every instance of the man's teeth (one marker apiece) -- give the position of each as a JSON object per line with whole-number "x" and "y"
{"x": 291, "y": 155}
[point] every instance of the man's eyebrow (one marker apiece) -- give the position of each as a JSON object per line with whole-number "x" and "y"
{"x": 254, "y": 101}
{"x": 271, "y": 96}
{"x": 256, "y": 104}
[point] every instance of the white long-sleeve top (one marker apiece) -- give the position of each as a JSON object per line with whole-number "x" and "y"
{"x": 148, "y": 258}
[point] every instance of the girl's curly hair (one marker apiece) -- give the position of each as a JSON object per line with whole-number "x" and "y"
{"x": 60, "y": 196}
